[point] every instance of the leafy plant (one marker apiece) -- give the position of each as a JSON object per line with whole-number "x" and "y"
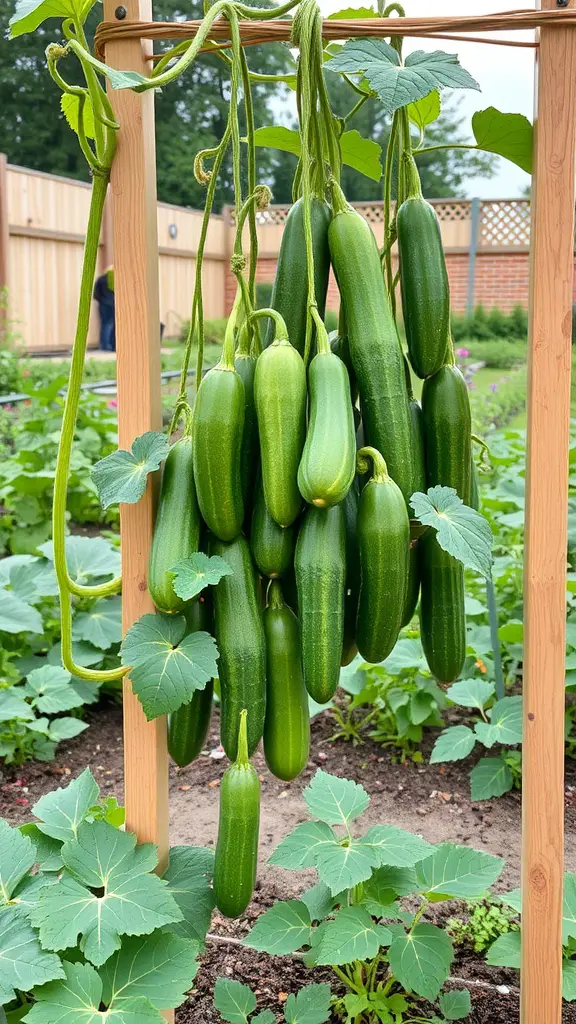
{"x": 88, "y": 928}
{"x": 486, "y": 921}
{"x": 236, "y": 1003}
{"x": 353, "y": 918}
{"x": 506, "y": 951}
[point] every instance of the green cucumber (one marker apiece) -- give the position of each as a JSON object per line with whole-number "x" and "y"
{"x": 239, "y": 634}
{"x": 442, "y": 610}
{"x": 341, "y": 347}
{"x": 217, "y": 429}
{"x": 374, "y": 344}
{"x": 245, "y": 365}
{"x": 413, "y": 588}
{"x": 424, "y": 282}
{"x": 177, "y": 504}
{"x": 384, "y": 547}
{"x": 287, "y": 725}
{"x": 418, "y": 447}
{"x": 328, "y": 464}
{"x": 272, "y": 546}
{"x": 350, "y": 510}
{"x": 290, "y": 293}
{"x": 280, "y": 395}
{"x": 447, "y": 431}
{"x": 320, "y": 565}
{"x": 188, "y": 726}
{"x": 236, "y": 857}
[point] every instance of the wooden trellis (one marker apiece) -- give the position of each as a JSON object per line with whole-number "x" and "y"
{"x": 133, "y": 186}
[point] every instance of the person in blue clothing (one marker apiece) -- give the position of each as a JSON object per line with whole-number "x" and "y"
{"x": 104, "y": 296}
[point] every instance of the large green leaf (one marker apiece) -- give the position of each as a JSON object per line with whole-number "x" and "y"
{"x": 192, "y": 574}
{"x": 17, "y": 856}
{"x": 66, "y": 728}
{"x": 471, "y": 693}
{"x": 51, "y": 690}
{"x": 393, "y": 847}
{"x": 461, "y": 531}
{"x": 507, "y": 135}
{"x": 426, "y": 110}
{"x": 421, "y": 959}
{"x": 506, "y": 951}
{"x": 357, "y": 152}
{"x": 351, "y": 935}
{"x": 13, "y": 705}
{"x": 311, "y": 1005}
{"x": 569, "y": 908}
{"x": 46, "y": 850}
{"x": 458, "y": 871}
{"x": 23, "y": 962}
{"x": 87, "y": 557}
{"x": 569, "y": 980}
{"x": 490, "y": 777}
{"x": 300, "y": 848}
{"x": 77, "y": 1000}
{"x": 282, "y": 929}
{"x": 29, "y": 14}
{"x": 319, "y": 901}
{"x": 505, "y": 723}
{"x": 407, "y": 655}
{"x": 161, "y": 967}
{"x": 456, "y": 1004}
{"x": 121, "y": 476}
{"x": 62, "y": 811}
{"x": 16, "y": 616}
{"x": 70, "y": 104}
{"x": 453, "y": 744}
{"x": 134, "y": 901}
{"x": 398, "y": 85}
{"x": 384, "y": 887}
{"x": 234, "y": 1001}
{"x": 102, "y": 625}
{"x": 167, "y": 666}
{"x": 188, "y": 878}
{"x": 334, "y": 800}
{"x": 341, "y": 866}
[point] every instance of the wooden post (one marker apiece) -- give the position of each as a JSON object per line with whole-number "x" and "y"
{"x": 4, "y": 236}
{"x": 549, "y": 359}
{"x": 133, "y": 187}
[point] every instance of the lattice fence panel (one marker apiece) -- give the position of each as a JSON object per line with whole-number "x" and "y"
{"x": 505, "y": 223}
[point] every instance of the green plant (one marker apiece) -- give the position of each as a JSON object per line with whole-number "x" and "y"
{"x": 506, "y": 951}
{"x": 236, "y": 1003}
{"x": 495, "y": 408}
{"x": 320, "y": 565}
{"x": 390, "y": 959}
{"x": 287, "y": 722}
{"x": 80, "y": 964}
{"x": 484, "y": 325}
{"x": 493, "y": 353}
{"x": 485, "y": 921}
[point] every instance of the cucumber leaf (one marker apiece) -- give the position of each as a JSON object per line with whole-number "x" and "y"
{"x": 193, "y": 574}
{"x": 78, "y": 998}
{"x": 457, "y": 1004}
{"x": 283, "y": 929}
{"x": 234, "y": 1001}
{"x": 426, "y": 110}
{"x": 507, "y": 135}
{"x": 421, "y": 959}
{"x": 461, "y": 531}
{"x": 333, "y": 800}
{"x": 70, "y": 104}
{"x": 363, "y": 155}
{"x": 24, "y": 962}
{"x": 121, "y": 476}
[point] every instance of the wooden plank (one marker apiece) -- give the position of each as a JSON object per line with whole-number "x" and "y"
{"x": 549, "y": 362}
{"x": 4, "y": 237}
{"x": 133, "y": 191}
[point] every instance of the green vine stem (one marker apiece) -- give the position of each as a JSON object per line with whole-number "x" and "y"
{"x": 370, "y": 458}
{"x": 242, "y": 757}
{"x": 280, "y": 329}
{"x": 389, "y": 234}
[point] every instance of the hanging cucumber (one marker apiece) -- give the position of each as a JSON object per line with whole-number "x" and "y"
{"x": 280, "y": 396}
{"x": 350, "y": 510}
{"x": 217, "y": 430}
{"x": 177, "y": 504}
{"x": 239, "y": 634}
{"x": 384, "y": 546}
{"x": 290, "y": 293}
{"x": 374, "y": 344}
{"x": 188, "y": 726}
{"x": 236, "y": 857}
{"x": 447, "y": 431}
{"x": 272, "y": 546}
{"x": 340, "y": 347}
{"x": 245, "y": 365}
{"x": 287, "y": 725}
{"x": 413, "y": 589}
{"x": 423, "y": 279}
{"x": 320, "y": 564}
{"x": 328, "y": 464}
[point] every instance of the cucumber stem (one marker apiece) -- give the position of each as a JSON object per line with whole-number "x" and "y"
{"x": 413, "y": 183}
{"x": 339, "y": 202}
{"x": 242, "y": 758}
{"x": 275, "y": 599}
{"x": 379, "y": 468}
{"x": 280, "y": 329}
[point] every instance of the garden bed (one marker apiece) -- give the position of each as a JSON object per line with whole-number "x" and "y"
{"x": 432, "y": 800}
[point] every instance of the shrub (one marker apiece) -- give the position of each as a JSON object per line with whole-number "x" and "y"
{"x": 213, "y": 331}
{"x": 494, "y": 353}
{"x": 487, "y": 326}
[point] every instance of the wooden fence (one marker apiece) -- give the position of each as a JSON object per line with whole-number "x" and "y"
{"x": 43, "y": 219}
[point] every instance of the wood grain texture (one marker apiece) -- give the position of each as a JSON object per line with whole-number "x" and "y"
{"x": 546, "y": 523}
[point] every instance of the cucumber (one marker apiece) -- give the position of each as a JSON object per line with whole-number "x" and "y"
{"x": 245, "y": 365}
{"x": 328, "y": 464}
{"x": 442, "y": 610}
{"x": 280, "y": 396}
{"x": 217, "y": 429}
{"x": 188, "y": 726}
{"x": 418, "y": 447}
{"x": 320, "y": 565}
{"x": 374, "y": 344}
{"x": 177, "y": 504}
{"x": 239, "y": 634}
{"x": 236, "y": 857}
{"x": 272, "y": 547}
{"x": 424, "y": 283}
{"x": 413, "y": 588}
{"x": 287, "y": 725}
{"x": 290, "y": 293}
{"x": 340, "y": 346}
{"x": 384, "y": 547}
{"x": 447, "y": 431}
{"x": 350, "y": 510}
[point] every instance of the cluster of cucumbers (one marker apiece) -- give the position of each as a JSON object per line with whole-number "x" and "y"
{"x": 300, "y": 477}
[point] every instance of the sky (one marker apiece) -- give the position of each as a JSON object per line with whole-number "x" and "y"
{"x": 506, "y": 75}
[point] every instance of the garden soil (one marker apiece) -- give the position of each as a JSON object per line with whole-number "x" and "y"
{"x": 431, "y": 800}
